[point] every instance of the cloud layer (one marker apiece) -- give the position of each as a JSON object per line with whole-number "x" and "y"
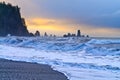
{"x": 96, "y": 15}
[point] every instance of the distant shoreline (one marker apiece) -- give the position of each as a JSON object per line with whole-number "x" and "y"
{"x": 17, "y": 70}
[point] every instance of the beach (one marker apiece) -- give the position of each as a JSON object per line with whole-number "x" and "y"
{"x": 96, "y": 59}
{"x": 14, "y": 70}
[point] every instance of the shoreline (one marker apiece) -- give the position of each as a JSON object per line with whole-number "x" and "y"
{"x": 19, "y": 70}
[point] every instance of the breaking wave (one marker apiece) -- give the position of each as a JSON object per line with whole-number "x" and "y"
{"x": 89, "y": 46}
{"x": 80, "y": 58}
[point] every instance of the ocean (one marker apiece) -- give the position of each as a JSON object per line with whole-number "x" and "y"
{"x": 77, "y": 58}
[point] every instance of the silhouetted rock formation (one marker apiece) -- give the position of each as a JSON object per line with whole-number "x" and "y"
{"x": 54, "y": 36}
{"x": 69, "y": 35}
{"x": 78, "y": 33}
{"x": 74, "y": 35}
{"x": 37, "y": 33}
{"x": 65, "y": 35}
{"x": 31, "y": 35}
{"x": 11, "y": 21}
{"x": 87, "y": 36}
{"x": 45, "y": 35}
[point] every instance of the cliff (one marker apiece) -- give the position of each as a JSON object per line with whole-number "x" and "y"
{"x": 11, "y": 21}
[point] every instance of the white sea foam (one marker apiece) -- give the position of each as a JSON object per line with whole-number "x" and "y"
{"x": 77, "y": 58}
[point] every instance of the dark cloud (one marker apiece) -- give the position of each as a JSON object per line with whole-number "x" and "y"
{"x": 108, "y": 22}
{"x": 97, "y": 13}
{"x": 89, "y": 12}
{"x": 103, "y": 13}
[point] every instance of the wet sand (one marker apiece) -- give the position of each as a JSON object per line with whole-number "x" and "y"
{"x": 14, "y": 70}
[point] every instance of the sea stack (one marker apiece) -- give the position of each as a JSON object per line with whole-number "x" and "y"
{"x": 78, "y": 33}
{"x": 37, "y": 33}
{"x": 11, "y": 21}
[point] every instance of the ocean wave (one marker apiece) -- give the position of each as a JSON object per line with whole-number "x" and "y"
{"x": 91, "y": 47}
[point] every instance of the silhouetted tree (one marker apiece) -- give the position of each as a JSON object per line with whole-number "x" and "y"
{"x": 4, "y": 2}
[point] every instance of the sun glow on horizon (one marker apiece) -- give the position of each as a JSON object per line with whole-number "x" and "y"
{"x": 61, "y": 20}
{"x": 60, "y": 27}
{"x": 50, "y": 26}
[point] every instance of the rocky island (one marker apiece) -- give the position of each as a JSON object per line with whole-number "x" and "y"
{"x": 11, "y": 21}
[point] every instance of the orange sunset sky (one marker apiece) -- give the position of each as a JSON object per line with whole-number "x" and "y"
{"x": 60, "y": 16}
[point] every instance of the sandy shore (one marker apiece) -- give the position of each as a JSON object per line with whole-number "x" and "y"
{"x": 13, "y": 70}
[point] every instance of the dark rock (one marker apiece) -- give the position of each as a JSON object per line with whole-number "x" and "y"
{"x": 65, "y": 35}
{"x": 78, "y": 33}
{"x": 73, "y": 35}
{"x": 87, "y": 36}
{"x": 54, "y": 36}
{"x": 45, "y": 35}
{"x": 37, "y": 33}
{"x": 11, "y": 21}
{"x": 31, "y": 35}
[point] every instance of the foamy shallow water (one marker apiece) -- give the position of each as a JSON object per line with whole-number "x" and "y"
{"x": 79, "y": 61}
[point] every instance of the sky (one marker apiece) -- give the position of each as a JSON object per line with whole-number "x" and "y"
{"x": 94, "y": 17}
